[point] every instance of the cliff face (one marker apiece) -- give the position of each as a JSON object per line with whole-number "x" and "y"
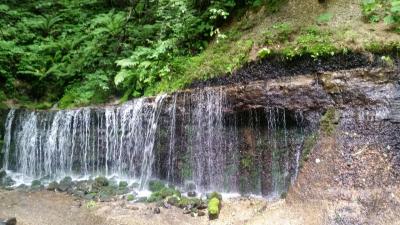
{"x": 3, "y": 116}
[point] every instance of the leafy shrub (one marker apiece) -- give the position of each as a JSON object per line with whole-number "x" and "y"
{"x": 312, "y": 42}
{"x": 386, "y": 10}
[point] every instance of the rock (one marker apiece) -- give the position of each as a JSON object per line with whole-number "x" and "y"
{"x": 156, "y": 210}
{"x": 84, "y": 185}
{"x": 201, "y": 213}
{"x": 132, "y": 207}
{"x": 65, "y": 184}
{"x": 187, "y": 211}
{"x": 23, "y": 187}
{"x": 214, "y": 195}
{"x": 202, "y": 205}
{"x": 134, "y": 185}
{"x": 89, "y": 196}
{"x": 100, "y": 182}
{"x": 45, "y": 178}
{"x": 214, "y": 206}
{"x": 8, "y": 181}
{"x": 192, "y": 194}
{"x": 3, "y": 174}
{"x": 122, "y": 190}
{"x": 52, "y": 186}
{"x": 190, "y": 186}
{"x": 156, "y": 185}
{"x": 166, "y": 205}
{"x": 11, "y": 221}
{"x": 193, "y": 214}
{"x": 36, "y": 183}
{"x": 123, "y": 184}
{"x": 172, "y": 200}
{"x": 79, "y": 193}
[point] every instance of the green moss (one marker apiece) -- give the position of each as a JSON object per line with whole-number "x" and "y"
{"x": 36, "y": 183}
{"x": 214, "y": 195}
{"x": 156, "y": 185}
{"x": 213, "y": 208}
{"x": 164, "y": 193}
{"x": 309, "y": 143}
{"x": 123, "y": 184}
{"x": 328, "y": 121}
{"x": 130, "y": 197}
{"x": 101, "y": 181}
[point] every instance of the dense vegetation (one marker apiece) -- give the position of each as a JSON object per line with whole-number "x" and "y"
{"x": 82, "y": 52}
{"x": 73, "y": 53}
{"x": 387, "y": 10}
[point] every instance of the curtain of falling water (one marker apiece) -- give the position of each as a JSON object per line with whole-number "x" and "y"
{"x": 117, "y": 140}
{"x": 199, "y": 144}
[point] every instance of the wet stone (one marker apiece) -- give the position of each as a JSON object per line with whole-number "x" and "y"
{"x": 52, "y": 186}
{"x": 192, "y": 194}
{"x": 156, "y": 210}
{"x": 65, "y": 184}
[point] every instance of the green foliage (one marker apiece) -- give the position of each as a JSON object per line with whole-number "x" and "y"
{"x": 83, "y": 52}
{"x": 163, "y": 193}
{"x": 280, "y": 33}
{"x": 130, "y": 197}
{"x": 156, "y": 185}
{"x": 328, "y": 121}
{"x": 91, "y": 204}
{"x": 312, "y": 42}
{"x": 387, "y": 10}
{"x": 309, "y": 143}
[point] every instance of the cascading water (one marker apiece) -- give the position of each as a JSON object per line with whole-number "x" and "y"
{"x": 116, "y": 140}
{"x": 184, "y": 137}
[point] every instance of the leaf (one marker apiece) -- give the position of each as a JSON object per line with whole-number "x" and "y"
{"x": 389, "y": 19}
{"x": 121, "y": 76}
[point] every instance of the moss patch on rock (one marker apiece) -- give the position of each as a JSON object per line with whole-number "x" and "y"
{"x": 214, "y": 206}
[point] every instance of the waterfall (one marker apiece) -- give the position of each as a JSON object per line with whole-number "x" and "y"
{"x": 83, "y": 142}
{"x": 185, "y": 137}
{"x": 7, "y": 136}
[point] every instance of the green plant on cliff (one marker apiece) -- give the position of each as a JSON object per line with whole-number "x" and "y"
{"x": 386, "y": 10}
{"x": 328, "y": 121}
{"x": 309, "y": 143}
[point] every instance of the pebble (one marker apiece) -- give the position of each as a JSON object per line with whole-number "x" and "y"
{"x": 156, "y": 210}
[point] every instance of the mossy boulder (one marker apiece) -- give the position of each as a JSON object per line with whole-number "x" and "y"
{"x": 173, "y": 200}
{"x": 214, "y": 206}
{"x": 36, "y": 183}
{"x": 156, "y": 185}
{"x": 3, "y": 174}
{"x": 163, "y": 193}
{"x": 7, "y": 181}
{"x": 123, "y": 184}
{"x": 185, "y": 202}
{"x": 130, "y": 197}
{"x": 65, "y": 184}
{"x": 52, "y": 186}
{"x": 101, "y": 181}
{"x": 89, "y": 196}
{"x": 84, "y": 185}
{"x": 214, "y": 195}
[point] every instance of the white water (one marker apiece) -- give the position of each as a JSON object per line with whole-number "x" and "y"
{"x": 178, "y": 138}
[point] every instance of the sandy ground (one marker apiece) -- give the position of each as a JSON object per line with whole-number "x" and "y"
{"x": 50, "y": 208}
